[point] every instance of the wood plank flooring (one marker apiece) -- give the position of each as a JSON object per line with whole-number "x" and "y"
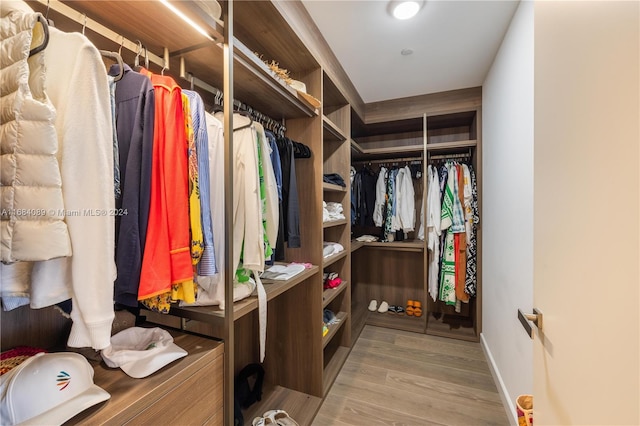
{"x": 398, "y": 378}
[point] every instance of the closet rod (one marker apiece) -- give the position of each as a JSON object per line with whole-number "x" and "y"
{"x": 393, "y": 160}
{"x": 96, "y": 27}
{"x": 450, "y": 156}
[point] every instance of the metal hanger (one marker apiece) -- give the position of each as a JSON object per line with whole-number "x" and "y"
{"x": 136, "y": 61}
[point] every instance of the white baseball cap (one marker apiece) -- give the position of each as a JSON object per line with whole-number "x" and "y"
{"x": 48, "y": 389}
{"x": 141, "y": 351}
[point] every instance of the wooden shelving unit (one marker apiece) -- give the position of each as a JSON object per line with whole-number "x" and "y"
{"x": 332, "y": 369}
{"x": 273, "y": 288}
{"x": 330, "y": 187}
{"x": 333, "y": 329}
{"x": 332, "y": 132}
{"x": 331, "y": 223}
{"x": 329, "y": 294}
{"x": 334, "y": 258}
{"x": 336, "y": 149}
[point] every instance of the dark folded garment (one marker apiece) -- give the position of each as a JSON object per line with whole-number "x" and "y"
{"x": 333, "y": 178}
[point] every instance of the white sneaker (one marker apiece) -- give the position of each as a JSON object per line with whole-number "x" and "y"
{"x": 384, "y": 307}
{"x": 373, "y": 305}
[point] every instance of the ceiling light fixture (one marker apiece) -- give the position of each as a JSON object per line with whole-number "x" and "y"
{"x": 405, "y": 9}
{"x": 186, "y": 19}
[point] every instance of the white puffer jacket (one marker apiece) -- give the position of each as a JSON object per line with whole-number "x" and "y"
{"x": 32, "y": 225}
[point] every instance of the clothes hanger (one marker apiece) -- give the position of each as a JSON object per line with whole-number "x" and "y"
{"x": 136, "y": 61}
{"x": 244, "y": 113}
{"x": 118, "y": 58}
{"x": 46, "y": 15}
{"x": 84, "y": 24}
{"x": 45, "y": 30}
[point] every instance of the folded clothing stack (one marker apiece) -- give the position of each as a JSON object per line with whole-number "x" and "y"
{"x": 331, "y": 280}
{"x": 332, "y": 211}
{"x": 329, "y": 248}
{"x": 367, "y": 238}
{"x": 333, "y": 178}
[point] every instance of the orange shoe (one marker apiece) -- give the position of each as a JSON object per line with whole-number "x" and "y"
{"x": 417, "y": 308}
{"x": 410, "y": 307}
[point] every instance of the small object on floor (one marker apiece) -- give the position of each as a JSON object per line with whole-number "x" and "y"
{"x": 393, "y": 309}
{"x": 384, "y": 307}
{"x": 399, "y": 310}
{"x": 280, "y": 418}
{"x": 373, "y": 305}
{"x": 261, "y": 421}
{"x": 417, "y": 308}
{"x": 410, "y": 307}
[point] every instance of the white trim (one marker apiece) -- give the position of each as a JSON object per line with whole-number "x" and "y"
{"x": 497, "y": 378}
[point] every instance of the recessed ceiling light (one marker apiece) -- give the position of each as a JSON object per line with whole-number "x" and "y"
{"x": 406, "y": 52}
{"x": 405, "y": 9}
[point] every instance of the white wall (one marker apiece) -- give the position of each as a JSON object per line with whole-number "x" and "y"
{"x": 507, "y": 208}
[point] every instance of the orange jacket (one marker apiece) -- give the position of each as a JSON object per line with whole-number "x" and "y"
{"x": 167, "y": 258}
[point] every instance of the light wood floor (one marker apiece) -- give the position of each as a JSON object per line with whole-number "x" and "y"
{"x": 399, "y": 378}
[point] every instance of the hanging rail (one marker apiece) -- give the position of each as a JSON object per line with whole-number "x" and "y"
{"x": 97, "y": 27}
{"x": 411, "y": 160}
{"x": 451, "y": 156}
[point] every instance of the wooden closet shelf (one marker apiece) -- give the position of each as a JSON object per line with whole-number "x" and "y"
{"x": 331, "y": 223}
{"x": 135, "y": 400}
{"x": 332, "y": 131}
{"x": 300, "y": 406}
{"x": 364, "y": 154}
{"x": 449, "y": 146}
{"x": 407, "y": 245}
{"x": 331, "y": 293}
{"x": 332, "y": 369}
{"x": 333, "y": 329}
{"x": 359, "y": 315}
{"x": 333, "y": 258}
{"x": 438, "y": 328}
{"x": 398, "y": 322}
{"x": 355, "y": 245}
{"x": 330, "y": 187}
{"x": 273, "y": 289}
{"x": 281, "y": 99}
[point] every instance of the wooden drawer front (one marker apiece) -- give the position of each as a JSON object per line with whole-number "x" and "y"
{"x": 194, "y": 402}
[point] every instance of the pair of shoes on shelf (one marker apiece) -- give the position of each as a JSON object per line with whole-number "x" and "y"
{"x": 373, "y": 306}
{"x": 274, "y": 418}
{"x": 414, "y": 308}
{"x": 398, "y": 310}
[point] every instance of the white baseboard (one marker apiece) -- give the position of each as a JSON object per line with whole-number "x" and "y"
{"x": 509, "y": 406}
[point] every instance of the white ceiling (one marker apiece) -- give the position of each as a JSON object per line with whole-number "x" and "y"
{"x": 453, "y": 43}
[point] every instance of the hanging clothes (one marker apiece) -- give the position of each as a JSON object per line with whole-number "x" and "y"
{"x": 211, "y": 290}
{"x": 290, "y": 210}
{"x": 268, "y": 190}
{"x": 135, "y": 109}
{"x": 207, "y": 265}
{"x": 78, "y": 89}
{"x": 461, "y": 244}
{"x": 195, "y": 220}
{"x": 381, "y": 190}
{"x": 472, "y": 218}
{"x": 31, "y": 178}
{"x": 167, "y": 271}
{"x": 433, "y": 217}
{"x": 452, "y": 221}
{"x": 406, "y": 210}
